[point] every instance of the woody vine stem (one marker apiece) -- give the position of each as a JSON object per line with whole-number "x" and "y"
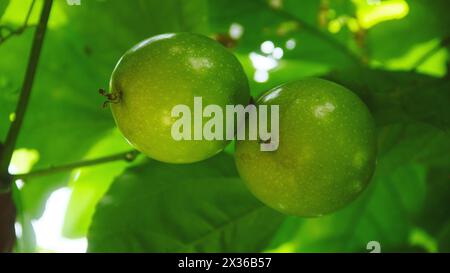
{"x": 14, "y": 129}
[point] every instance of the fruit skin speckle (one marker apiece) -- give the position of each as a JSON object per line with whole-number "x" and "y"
{"x": 327, "y": 151}
{"x": 167, "y": 70}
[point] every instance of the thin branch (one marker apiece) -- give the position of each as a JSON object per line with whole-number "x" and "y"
{"x": 445, "y": 41}
{"x": 22, "y": 104}
{"x": 126, "y": 156}
{"x": 318, "y": 33}
{"x": 19, "y": 30}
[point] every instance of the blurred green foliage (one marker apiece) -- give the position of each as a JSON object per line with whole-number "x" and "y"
{"x": 196, "y": 207}
{"x": 393, "y": 54}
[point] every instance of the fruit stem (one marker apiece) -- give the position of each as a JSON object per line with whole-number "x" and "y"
{"x": 110, "y": 97}
{"x": 22, "y": 104}
{"x": 126, "y": 156}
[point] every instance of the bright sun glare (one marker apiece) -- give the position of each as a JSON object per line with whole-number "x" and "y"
{"x": 48, "y": 228}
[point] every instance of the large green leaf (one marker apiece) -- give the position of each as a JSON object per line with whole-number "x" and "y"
{"x": 200, "y": 207}
{"x": 90, "y": 184}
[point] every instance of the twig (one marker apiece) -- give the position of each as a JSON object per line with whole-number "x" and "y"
{"x": 127, "y": 156}
{"x": 320, "y": 34}
{"x": 22, "y": 104}
{"x": 19, "y": 30}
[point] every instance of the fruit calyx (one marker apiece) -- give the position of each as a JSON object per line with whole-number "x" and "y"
{"x": 114, "y": 97}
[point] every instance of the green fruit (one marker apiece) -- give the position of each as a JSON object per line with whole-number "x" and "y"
{"x": 326, "y": 154}
{"x": 168, "y": 70}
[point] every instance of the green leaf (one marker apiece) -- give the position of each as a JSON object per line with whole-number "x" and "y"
{"x": 434, "y": 216}
{"x": 89, "y": 184}
{"x": 444, "y": 239}
{"x": 201, "y": 207}
{"x": 3, "y": 5}
{"x": 400, "y": 97}
{"x": 383, "y": 39}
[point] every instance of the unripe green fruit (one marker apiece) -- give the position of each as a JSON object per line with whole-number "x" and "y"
{"x": 168, "y": 70}
{"x": 326, "y": 154}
